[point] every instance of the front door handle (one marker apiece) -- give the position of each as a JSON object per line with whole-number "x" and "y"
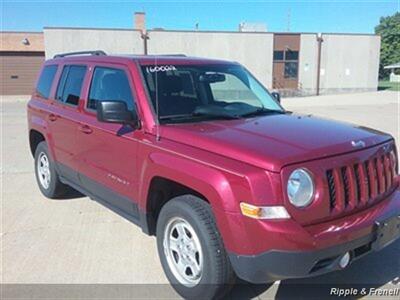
{"x": 85, "y": 129}
{"x": 52, "y": 117}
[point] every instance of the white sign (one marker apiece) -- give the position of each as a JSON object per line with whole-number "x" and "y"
{"x": 160, "y": 69}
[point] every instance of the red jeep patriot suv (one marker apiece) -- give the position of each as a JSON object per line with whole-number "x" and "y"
{"x": 197, "y": 152}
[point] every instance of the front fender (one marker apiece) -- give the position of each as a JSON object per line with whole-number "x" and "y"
{"x": 213, "y": 184}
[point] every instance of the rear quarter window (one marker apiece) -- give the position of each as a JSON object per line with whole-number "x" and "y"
{"x": 46, "y": 80}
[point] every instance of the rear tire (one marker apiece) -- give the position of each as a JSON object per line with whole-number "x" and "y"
{"x": 46, "y": 175}
{"x": 191, "y": 249}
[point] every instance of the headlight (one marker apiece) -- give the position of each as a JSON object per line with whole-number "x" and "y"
{"x": 300, "y": 188}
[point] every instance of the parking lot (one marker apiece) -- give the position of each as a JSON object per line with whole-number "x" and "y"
{"x": 78, "y": 241}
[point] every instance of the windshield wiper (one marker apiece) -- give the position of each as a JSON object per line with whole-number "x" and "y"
{"x": 214, "y": 114}
{"x": 214, "y": 111}
{"x": 262, "y": 111}
{"x": 197, "y": 115}
{"x": 183, "y": 117}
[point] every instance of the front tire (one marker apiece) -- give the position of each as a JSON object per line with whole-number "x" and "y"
{"x": 191, "y": 249}
{"x": 46, "y": 174}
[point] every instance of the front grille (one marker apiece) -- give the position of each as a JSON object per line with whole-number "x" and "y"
{"x": 332, "y": 190}
{"x": 346, "y": 186}
{"x": 359, "y": 184}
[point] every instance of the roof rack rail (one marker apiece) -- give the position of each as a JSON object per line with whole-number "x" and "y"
{"x": 177, "y": 54}
{"x": 94, "y": 52}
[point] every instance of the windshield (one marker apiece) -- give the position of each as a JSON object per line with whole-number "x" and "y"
{"x": 182, "y": 93}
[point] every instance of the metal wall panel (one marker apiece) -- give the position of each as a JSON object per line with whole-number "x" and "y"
{"x": 18, "y": 72}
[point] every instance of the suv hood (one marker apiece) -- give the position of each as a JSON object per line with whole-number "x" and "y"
{"x": 274, "y": 141}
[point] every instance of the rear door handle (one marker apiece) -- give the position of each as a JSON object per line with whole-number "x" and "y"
{"x": 52, "y": 117}
{"x": 85, "y": 129}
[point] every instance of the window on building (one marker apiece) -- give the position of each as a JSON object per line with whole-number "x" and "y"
{"x": 111, "y": 85}
{"x": 291, "y": 55}
{"x": 278, "y": 55}
{"x": 291, "y": 69}
{"x": 70, "y": 85}
{"x": 46, "y": 80}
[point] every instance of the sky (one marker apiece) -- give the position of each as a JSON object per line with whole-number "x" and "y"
{"x": 305, "y": 16}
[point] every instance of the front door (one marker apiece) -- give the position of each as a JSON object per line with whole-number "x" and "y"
{"x": 108, "y": 152}
{"x": 286, "y": 61}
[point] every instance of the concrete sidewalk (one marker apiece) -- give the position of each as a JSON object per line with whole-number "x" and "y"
{"x": 79, "y": 241}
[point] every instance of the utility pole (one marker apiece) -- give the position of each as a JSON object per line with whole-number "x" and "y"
{"x": 288, "y": 20}
{"x": 319, "y": 40}
{"x": 144, "y": 35}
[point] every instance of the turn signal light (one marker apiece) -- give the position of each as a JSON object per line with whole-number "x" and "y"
{"x": 264, "y": 212}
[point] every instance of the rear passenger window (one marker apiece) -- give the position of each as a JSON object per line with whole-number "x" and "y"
{"x": 111, "y": 85}
{"x": 46, "y": 80}
{"x": 70, "y": 84}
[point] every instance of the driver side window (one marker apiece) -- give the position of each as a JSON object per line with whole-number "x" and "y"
{"x": 109, "y": 84}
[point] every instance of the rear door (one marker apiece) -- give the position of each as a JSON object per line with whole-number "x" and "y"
{"x": 63, "y": 119}
{"x": 107, "y": 153}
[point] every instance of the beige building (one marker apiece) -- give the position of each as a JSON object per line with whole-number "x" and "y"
{"x": 21, "y": 56}
{"x": 292, "y": 63}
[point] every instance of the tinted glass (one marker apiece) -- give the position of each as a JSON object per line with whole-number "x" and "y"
{"x": 111, "y": 85}
{"x": 291, "y": 69}
{"x": 278, "y": 55}
{"x": 181, "y": 90}
{"x": 232, "y": 89}
{"x": 61, "y": 84}
{"x": 188, "y": 84}
{"x": 292, "y": 55}
{"x": 46, "y": 80}
{"x": 70, "y": 85}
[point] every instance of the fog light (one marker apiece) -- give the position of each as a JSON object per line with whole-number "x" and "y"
{"x": 344, "y": 260}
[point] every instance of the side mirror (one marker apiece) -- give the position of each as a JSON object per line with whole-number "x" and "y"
{"x": 277, "y": 96}
{"x": 115, "y": 112}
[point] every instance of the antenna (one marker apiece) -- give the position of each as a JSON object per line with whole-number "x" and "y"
{"x": 157, "y": 106}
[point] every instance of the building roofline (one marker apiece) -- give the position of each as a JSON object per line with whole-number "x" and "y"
{"x": 259, "y": 32}
{"x": 192, "y": 31}
{"x": 22, "y": 32}
{"x": 92, "y": 28}
{"x": 207, "y": 31}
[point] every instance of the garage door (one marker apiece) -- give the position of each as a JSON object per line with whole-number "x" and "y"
{"x": 18, "y": 72}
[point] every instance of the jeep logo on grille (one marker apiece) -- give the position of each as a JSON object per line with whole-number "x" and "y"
{"x": 358, "y": 144}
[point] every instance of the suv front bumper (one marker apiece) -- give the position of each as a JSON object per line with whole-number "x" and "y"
{"x": 276, "y": 265}
{"x": 323, "y": 245}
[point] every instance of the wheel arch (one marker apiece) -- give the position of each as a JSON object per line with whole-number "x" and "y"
{"x": 35, "y": 137}
{"x": 166, "y": 176}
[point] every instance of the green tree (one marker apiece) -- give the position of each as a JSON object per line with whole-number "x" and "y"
{"x": 389, "y": 30}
